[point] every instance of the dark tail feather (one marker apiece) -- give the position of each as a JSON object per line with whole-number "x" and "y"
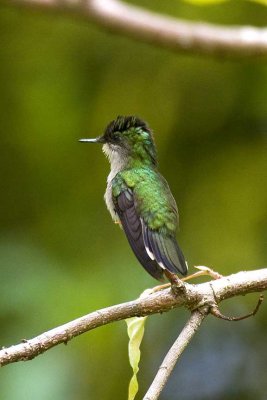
{"x": 166, "y": 251}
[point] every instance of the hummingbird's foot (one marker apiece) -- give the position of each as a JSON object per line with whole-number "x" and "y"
{"x": 174, "y": 281}
{"x": 203, "y": 271}
{"x": 177, "y": 284}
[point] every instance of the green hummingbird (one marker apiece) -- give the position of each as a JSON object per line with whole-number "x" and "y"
{"x": 139, "y": 198}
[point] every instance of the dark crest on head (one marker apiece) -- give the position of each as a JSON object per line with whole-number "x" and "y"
{"x": 121, "y": 124}
{"x": 112, "y": 135}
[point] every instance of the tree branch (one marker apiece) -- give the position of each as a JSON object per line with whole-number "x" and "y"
{"x": 174, "y": 353}
{"x": 190, "y": 296}
{"x": 150, "y": 27}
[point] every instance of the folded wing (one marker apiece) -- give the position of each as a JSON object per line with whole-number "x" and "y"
{"x": 154, "y": 251}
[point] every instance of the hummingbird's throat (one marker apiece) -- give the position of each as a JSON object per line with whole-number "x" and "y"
{"x": 121, "y": 158}
{"x": 118, "y": 160}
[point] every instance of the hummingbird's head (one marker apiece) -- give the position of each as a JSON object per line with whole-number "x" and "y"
{"x": 128, "y": 138}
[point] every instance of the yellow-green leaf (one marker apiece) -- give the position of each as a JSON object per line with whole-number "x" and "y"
{"x": 135, "y": 329}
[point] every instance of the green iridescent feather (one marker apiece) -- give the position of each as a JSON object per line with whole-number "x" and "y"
{"x": 154, "y": 201}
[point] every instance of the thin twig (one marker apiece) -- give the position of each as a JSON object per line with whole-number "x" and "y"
{"x": 217, "y": 313}
{"x": 193, "y": 297}
{"x": 202, "y": 271}
{"x": 174, "y": 353}
{"x": 150, "y": 27}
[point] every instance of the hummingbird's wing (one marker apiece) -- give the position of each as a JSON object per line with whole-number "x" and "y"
{"x": 154, "y": 250}
{"x": 132, "y": 225}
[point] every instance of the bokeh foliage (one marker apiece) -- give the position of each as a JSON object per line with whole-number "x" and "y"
{"x": 60, "y": 255}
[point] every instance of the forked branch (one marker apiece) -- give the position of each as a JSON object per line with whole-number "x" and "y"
{"x": 193, "y": 297}
{"x": 174, "y": 353}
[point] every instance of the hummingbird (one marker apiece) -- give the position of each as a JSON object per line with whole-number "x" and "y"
{"x": 139, "y": 198}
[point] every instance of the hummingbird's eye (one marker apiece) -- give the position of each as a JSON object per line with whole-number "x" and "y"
{"x": 116, "y": 137}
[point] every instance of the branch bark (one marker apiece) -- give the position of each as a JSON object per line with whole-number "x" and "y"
{"x": 193, "y": 297}
{"x": 149, "y": 27}
{"x": 169, "y": 362}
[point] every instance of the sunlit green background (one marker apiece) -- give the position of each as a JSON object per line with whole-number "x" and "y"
{"x": 60, "y": 254}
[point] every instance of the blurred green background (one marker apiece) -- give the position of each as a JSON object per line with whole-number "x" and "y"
{"x": 60, "y": 254}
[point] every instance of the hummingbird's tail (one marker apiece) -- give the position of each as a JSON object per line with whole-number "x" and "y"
{"x": 165, "y": 250}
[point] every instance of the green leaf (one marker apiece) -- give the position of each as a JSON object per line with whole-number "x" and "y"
{"x": 135, "y": 330}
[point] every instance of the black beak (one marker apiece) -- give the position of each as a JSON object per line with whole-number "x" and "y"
{"x": 99, "y": 139}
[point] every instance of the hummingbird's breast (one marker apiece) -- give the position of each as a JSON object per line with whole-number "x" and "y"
{"x": 117, "y": 164}
{"x": 109, "y": 200}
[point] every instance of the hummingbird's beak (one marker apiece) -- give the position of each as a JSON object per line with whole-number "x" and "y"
{"x": 99, "y": 139}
